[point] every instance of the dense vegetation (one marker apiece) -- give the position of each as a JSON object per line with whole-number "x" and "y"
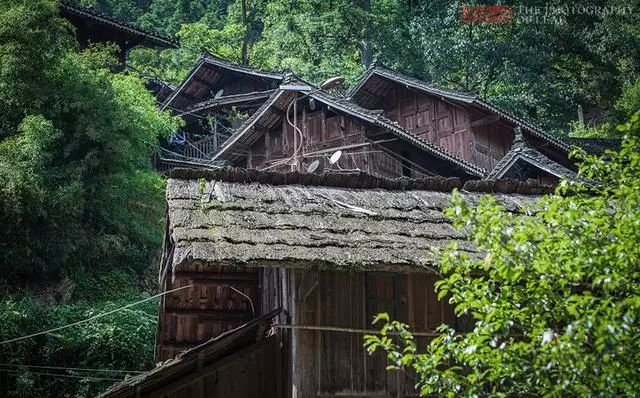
{"x": 80, "y": 207}
{"x": 556, "y": 300}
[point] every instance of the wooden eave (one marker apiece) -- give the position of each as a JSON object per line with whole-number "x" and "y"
{"x": 140, "y": 36}
{"x": 201, "y": 359}
{"x": 207, "y": 72}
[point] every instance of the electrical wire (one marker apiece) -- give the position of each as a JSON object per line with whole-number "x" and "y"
{"x": 13, "y": 365}
{"x": 63, "y": 376}
{"x": 92, "y": 318}
{"x": 245, "y": 296}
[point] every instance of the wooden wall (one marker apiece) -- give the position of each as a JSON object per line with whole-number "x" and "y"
{"x": 319, "y": 363}
{"x": 334, "y": 363}
{"x": 326, "y": 131}
{"x": 207, "y": 309}
{"x": 251, "y": 373}
{"x": 473, "y": 135}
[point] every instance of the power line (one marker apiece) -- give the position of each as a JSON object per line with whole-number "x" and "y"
{"x": 72, "y": 369}
{"x": 92, "y": 318}
{"x": 63, "y": 376}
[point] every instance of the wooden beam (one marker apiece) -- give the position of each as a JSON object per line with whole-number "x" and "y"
{"x": 216, "y": 276}
{"x": 204, "y": 82}
{"x": 349, "y": 330}
{"x": 211, "y": 314}
{"x": 185, "y": 379}
{"x": 485, "y": 120}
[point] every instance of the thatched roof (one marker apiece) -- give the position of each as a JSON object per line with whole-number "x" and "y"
{"x": 355, "y": 222}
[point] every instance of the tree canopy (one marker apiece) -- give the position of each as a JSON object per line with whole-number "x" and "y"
{"x": 81, "y": 209}
{"x": 540, "y": 69}
{"x": 75, "y": 148}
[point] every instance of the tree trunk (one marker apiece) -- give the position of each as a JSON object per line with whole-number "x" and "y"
{"x": 366, "y": 48}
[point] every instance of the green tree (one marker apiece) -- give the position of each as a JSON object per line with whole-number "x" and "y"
{"x": 76, "y": 186}
{"x": 80, "y": 207}
{"x": 555, "y": 301}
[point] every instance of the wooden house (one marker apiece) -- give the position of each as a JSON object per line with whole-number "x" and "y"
{"x": 95, "y": 27}
{"x": 467, "y": 136}
{"x": 329, "y": 251}
{"x": 523, "y": 162}
{"x": 215, "y": 98}
{"x": 299, "y": 126}
{"x": 461, "y": 123}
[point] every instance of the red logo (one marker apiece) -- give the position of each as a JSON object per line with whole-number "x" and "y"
{"x": 486, "y": 14}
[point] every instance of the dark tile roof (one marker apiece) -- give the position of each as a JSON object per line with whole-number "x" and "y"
{"x": 466, "y": 98}
{"x": 371, "y": 116}
{"x": 209, "y": 59}
{"x": 189, "y": 361}
{"x": 246, "y": 132}
{"x": 213, "y": 60}
{"x": 298, "y": 220}
{"x": 521, "y": 151}
{"x": 152, "y": 38}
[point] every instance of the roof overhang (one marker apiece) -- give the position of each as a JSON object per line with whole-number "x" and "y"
{"x": 140, "y": 36}
{"x": 329, "y": 221}
{"x": 208, "y": 62}
{"x": 521, "y": 152}
{"x": 201, "y": 359}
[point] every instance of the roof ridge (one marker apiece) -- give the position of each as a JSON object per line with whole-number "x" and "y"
{"x": 424, "y": 83}
{"x": 232, "y": 65}
{"x": 358, "y": 180}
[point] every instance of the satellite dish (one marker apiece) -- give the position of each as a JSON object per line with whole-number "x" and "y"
{"x": 219, "y": 94}
{"x": 313, "y": 166}
{"x": 335, "y": 157}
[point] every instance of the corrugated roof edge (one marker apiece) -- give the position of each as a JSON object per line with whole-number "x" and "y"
{"x": 361, "y": 181}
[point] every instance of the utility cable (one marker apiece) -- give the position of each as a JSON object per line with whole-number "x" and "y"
{"x": 92, "y": 318}
{"x": 13, "y": 365}
{"x": 63, "y": 376}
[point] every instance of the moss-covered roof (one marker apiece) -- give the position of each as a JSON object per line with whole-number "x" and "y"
{"x": 292, "y": 220}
